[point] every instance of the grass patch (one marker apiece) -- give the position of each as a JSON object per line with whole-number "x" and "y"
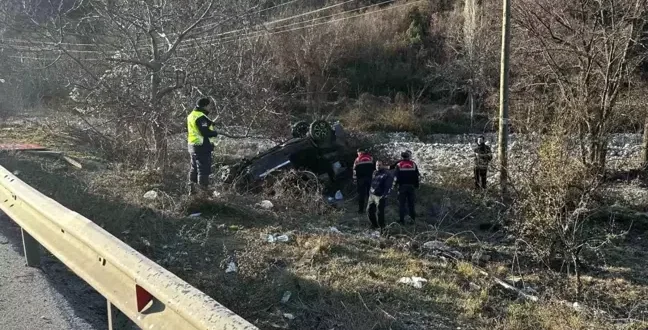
{"x": 347, "y": 281}
{"x": 403, "y": 118}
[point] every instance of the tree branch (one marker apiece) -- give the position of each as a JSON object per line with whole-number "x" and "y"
{"x": 186, "y": 31}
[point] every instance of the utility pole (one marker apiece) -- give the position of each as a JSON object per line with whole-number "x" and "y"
{"x": 504, "y": 97}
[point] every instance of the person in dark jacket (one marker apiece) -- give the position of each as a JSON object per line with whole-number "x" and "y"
{"x": 380, "y": 188}
{"x": 199, "y": 131}
{"x": 408, "y": 180}
{"x": 483, "y": 156}
{"x": 363, "y": 168}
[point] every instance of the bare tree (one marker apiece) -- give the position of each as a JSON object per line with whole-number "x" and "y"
{"x": 585, "y": 51}
{"x": 137, "y": 57}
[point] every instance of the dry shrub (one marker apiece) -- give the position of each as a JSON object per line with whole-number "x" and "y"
{"x": 555, "y": 207}
{"x": 389, "y": 118}
{"x": 546, "y": 316}
{"x": 299, "y": 191}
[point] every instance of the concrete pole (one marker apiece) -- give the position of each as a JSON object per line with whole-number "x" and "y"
{"x": 502, "y": 144}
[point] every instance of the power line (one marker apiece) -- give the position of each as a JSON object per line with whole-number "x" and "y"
{"x": 261, "y": 33}
{"x": 275, "y": 21}
{"x": 18, "y": 41}
{"x": 215, "y": 38}
{"x": 258, "y": 34}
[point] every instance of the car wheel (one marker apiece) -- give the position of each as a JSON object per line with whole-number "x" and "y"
{"x": 300, "y": 129}
{"x": 321, "y": 131}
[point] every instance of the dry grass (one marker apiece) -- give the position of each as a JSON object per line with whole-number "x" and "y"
{"x": 341, "y": 281}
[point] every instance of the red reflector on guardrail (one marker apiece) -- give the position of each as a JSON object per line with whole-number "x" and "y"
{"x": 143, "y": 298}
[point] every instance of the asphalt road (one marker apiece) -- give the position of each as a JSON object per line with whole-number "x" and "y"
{"x": 49, "y": 297}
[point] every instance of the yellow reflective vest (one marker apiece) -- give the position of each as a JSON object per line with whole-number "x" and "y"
{"x": 193, "y": 133}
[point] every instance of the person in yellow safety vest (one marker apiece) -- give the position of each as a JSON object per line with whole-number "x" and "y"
{"x": 199, "y": 129}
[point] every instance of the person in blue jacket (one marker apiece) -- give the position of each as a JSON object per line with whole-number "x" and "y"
{"x": 381, "y": 186}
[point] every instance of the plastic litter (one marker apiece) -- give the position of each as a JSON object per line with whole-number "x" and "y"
{"x": 338, "y": 195}
{"x": 286, "y": 297}
{"x": 273, "y": 238}
{"x": 231, "y": 267}
{"x": 195, "y": 215}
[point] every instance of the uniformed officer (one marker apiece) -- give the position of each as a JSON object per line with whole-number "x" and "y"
{"x": 408, "y": 180}
{"x": 483, "y": 157}
{"x": 199, "y": 129}
{"x": 363, "y": 168}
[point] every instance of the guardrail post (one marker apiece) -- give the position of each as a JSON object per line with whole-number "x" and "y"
{"x": 31, "y": 248}
{"x": 112, "y": 315}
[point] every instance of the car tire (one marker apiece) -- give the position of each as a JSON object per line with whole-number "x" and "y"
{"x": 320, "y": 131}
{"x": 300, "y": 129}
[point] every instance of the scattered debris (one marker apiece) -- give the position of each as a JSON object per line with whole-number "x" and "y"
{"x": 273, "y": 238}
{"x": 479, "y": 256}
{"x": 231, "y": 267}
{"x": 286, "y": 297}
{"x": 16, "y": 173}
{"x": 289, "y": 316}
{"x": 516, "y": 281}
{"x": 216, "y": 194}
{"x": 373, "y": 234}
{"x": 530, "y": 291}
{"x": 338, "y": 195}
{"x": 265, "y": 204}
{"x": 414, "y": 281}
{"x": 146, "y": 242}
{"x": 577, "y": 306}
{"x": 234, "y": 227}
{"x": 335, "y": 230}
{"x": 474, "y": 287}
{"x": 194, "y": 215}
{"x": 442, "y": 247}
{"x": 151, "y": 195}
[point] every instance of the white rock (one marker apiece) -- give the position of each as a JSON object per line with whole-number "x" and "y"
{"x": 265, "y": 204}
{"x": 414, "y": 281}
{"x": 151, "y": 195}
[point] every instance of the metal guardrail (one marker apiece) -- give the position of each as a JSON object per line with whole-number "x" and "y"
{"x": 144, "y": 291}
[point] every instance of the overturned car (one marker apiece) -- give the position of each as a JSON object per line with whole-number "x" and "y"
{"x": 318, "y": 147}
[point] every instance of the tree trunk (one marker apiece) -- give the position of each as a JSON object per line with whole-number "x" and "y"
{"x": 644, "y": 147}
{"x": 158, "y": 125}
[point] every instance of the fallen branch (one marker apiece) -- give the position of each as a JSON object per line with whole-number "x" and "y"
{"x": 69, "y": 160}
{"x": 506, "y": 285}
